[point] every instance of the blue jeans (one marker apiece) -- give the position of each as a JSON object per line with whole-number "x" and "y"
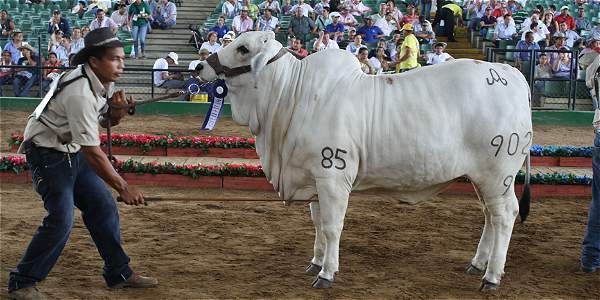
{"x": 162, "y": 24}
{"x": 22, "y": 85}
{"x": 63, "y": 185}
{"x": 590, "y": 250}
{"x": 426, "y": 9}
{"x": 139, "y": 33}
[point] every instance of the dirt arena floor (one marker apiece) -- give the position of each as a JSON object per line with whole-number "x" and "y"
{"x": 224, "y": 250}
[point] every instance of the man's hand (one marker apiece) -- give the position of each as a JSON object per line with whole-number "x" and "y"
{"x": 131, "y": 196}
{"x": 118, "y": 98}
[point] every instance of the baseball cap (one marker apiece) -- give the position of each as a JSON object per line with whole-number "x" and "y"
{"x": 174, "y": 57}
{"x": 335, "y": 14}
{"x": 407, "y": 26}
{"x": 559, "y": 35}
{"x": 203, "y": 51}
{"x": 564, "y": 7}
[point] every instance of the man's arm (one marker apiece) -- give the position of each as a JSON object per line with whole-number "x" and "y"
{"x": 406, "y": 54}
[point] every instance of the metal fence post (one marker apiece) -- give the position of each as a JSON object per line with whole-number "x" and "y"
{"x": 574, "y": 69}
{"x": 152, "y": 83}
{"x": 39, "y": 66}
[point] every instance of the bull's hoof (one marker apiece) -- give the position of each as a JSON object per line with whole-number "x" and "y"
{"x": 488, "y": 286}
{"x": 473, "y": 270}
{"x": 322, "y": 283}
{"x": 313, "y": 269}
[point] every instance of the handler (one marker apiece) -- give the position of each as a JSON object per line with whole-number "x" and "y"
{"x": 62, "y": 145}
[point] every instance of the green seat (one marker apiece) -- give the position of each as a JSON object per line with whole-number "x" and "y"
{"x": 510, "y": 56}
{"x": 556, "y": 89}
{"x": 490, "y": 34}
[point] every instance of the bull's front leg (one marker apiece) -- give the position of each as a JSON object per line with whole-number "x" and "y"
{"x": 316, "y": 264}
{"x": 333, "y": 201}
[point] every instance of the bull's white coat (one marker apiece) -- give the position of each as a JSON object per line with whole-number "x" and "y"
{"x": 413, "y": 133}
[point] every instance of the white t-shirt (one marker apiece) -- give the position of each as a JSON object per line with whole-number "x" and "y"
{"x": 211, "y": 48}
{"x": 433, "y": 58}
{"x": 331, "y": 44}
{"x": 193, "y": 64}
{"x": 160, "y": 63}
{"x": 376, "y": 64}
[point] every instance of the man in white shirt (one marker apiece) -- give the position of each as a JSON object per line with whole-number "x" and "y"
{"x": 243, "y": 22}
{"x": 387, "y": 24}
{"x": 570, "y": 35}
{"x": 506, "y": 29}
{"x": 267, "y": 22}
{"x": 211, "y": 45}
{"x": 324, "y": 42}
{"x": 438, "y": 56}
{"x": 537, "y": 34}
{"x": 102, "y": 21}
{"x": 306, "y": 8}
{"x": 76, "y": 41}
{"x": 120, "y": 17}
{"x": 202, "y": 54}
{"x": 165, "y": 79}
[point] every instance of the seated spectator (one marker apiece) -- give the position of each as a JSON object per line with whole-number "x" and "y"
{"x": 102, "y": 21}
{"x": 411, "y": 15}
{"x": 559, "y": 43}
{"x": 380, "y": 61}
{"x": 76, "y": 41}
{"x": 25, "y": 77}
{"x": 363, "y": 59}
{"x": 59, "y": 23}
{"x": 562, "y": 67}
{"x": 370, "y": 32}
{"x": 438, "y": 56}
{"x": 487, "y": 21}
{"x": 346, "y": 18}
{"x": 357, "y": 8}
{"x": 501, "y": 10}
{"x": 7, "y": 25}
{"x": 286, "y": 8}
{"x": 550, "y": 23}
{"x": 226, "y": 40}
{"x": 542, "y": 70}
{"x": 95, "y": 5}
{"x": 304, "y": 7}
{"x": 476, "y": 11}
{"x": 242, "y": 23}
{"x": 120, "y": 17}
{"x": 392, "y": 45}
{"x": 380, "y": 14}
{"x": 336, "y": 28}
{"x": 424, "y": 31}
{"x": 533, "y": 18}
{"x": 211, "y": 45}
{"x": 325, "y": 42}
{"x": 50, "y": 74}
{"x": 79, "y": 9}
{"x": 380, "y": 44}
{"x": 323, "y": 19}
{"x": 230, "y": 8}
{"x": 166, "y": 79}
{"x": 409, "y": 51}
{"x": 166, "y": 15}
{"x": 13, "y": 46}
{"x": 396, "y": 14}
{"x": 387, "y": 24}
{"x": 323, "y": 4}
{"x": 566, "y": 18}
{"x": 6, "y": 74}
{"x": 62, "y": 51}
{"x": 506, "y": 29}
{"x": 220, "y": 28}
{"x": 202, "y": 55}
{"x": 55, "y": 40}
{"x": 581, "y": 22}
{"x": 300, "y": 26}
{"x": 527, "y": 44}
{"x": 296, "y": 47}
{"x": 85, "y": 30}
{"x": 355, "y": 45}
{"x": 253, "y": 10}
{"x": 267, "y": 22}
{"x": 595, "y": 32}
{"x": 538, "y": 35}
{"x": 273, "y": 5}
{"x": 570, "y": 35}
{"x": 351, "y": 34}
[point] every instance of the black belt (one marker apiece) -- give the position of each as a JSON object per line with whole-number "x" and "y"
{"x": 29, "y": 145}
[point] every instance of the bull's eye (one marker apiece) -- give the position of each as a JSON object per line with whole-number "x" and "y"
{"x": 243, "y": 50}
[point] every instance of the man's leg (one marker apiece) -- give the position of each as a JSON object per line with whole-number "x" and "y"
{"x": 53, "y": 179}
{"x": 135, "y": 37}
{"x": 28, "y": 84}
{"x": 590, "y": 251}
{"x": 17, "y": 86}
{"x": 449, "y": 25}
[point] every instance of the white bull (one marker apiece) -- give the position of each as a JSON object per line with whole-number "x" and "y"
{"x": 324, "y": 129}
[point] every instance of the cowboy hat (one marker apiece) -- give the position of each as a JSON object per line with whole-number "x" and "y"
{"x": 25, "y": 45}
{"x": 95, "y": 40}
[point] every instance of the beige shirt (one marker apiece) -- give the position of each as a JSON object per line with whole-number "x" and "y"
{"x": 72, "y": 116}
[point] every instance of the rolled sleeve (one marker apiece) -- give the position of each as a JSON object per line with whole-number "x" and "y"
{"x": 83, "y": 120}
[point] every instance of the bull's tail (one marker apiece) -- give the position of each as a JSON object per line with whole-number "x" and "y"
{"x": 525, "y": 201}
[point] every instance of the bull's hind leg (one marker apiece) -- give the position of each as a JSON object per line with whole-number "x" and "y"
{"x": 333, "y": 201}
{"x": 316, "y": 263}
{"x": 480, "y": 260}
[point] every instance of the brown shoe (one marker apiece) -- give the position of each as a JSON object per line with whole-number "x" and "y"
{"x": 28, "y": 293}
{"x": 137, "y": 281}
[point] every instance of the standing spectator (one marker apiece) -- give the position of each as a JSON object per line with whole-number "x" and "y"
{"x": 380, "y": 62}
{"x": 448, "y": 14}
{"x": 62, "y": 51}
{"x": 476, "y": 11}
{"x": 25, "y": 77}
{"x": 6, "y": 74}
{"x": 50, "y": 74}
{"x": 6, "y": 24}
{"x": 324, "y": 42}
{"x": 409, "y": 51}
{"x": 581, "y": 22}
{"x": 120, "y": 17}
{"x": 355, "y": 45}
{"x": 267, "y": 22}
{"x": 487, "y": 21}
{"x": 323, "y": 19}
{"x": 300, "y": 26}
{"x": 527, "y": 44}
{"x": 570, "y": 35}
{"x": 139, "y": 13}
{"x": 438, "y": 56}
{"x": 242, "y": 23}
{"x": 102, "y": 21}
{"x": 550, "y": 23}
{"x": 426, "y": 9}
{"x": 370, "y": 32}
{"x": 76, "y": 41}
{"x": 14, "y": 45}
{"x": 357, "y": 8}
{"x": 505, "y": 29}
{"x": 320, "y": 6}
{"x": 380, "y": 14}
{"x": 565, "y": 17}
{"x": 166, "y": 79}
{"x": 559, "y": 43}
{"x": 59, "y": 23}
{"x": 346, "y": 18}
{"x": 296, "y": 47}
{"x": 336, "y": 28}
{"x": 273, "y": 5}
{"x": 562, "y": 66}
{"x": 220, "y": 28}
{"x": 167, "y": 15}
{"x": 211, "y": 45}
{"x": 363, "y": 59}
{"x": 253, "y": 10}
{"x": 230, "y": 8}
{"x": 424, "y": 31}
{"x": 304, "y": 7}
{"x": 411, "y": 15}
{"x": 387, "y": 24}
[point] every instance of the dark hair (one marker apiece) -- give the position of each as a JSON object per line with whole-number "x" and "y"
{"x": 52, "y": 53}
{"x": 99, "y": 52}
{"x": 552, "y": 6}
{"x": 533, "y": 25}
{"x": 363, "y": 49}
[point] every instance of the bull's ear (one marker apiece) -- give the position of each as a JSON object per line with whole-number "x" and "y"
{"x": 242, "y": 50}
